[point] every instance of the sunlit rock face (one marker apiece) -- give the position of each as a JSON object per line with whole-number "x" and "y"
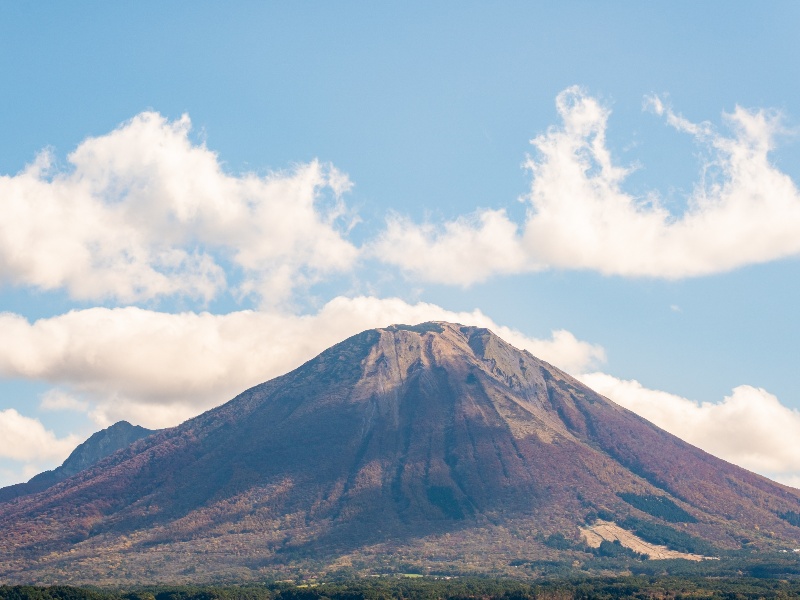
{"x": 436, "y": 445}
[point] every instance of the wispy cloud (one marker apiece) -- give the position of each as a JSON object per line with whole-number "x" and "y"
{"x": 742, "y": 211}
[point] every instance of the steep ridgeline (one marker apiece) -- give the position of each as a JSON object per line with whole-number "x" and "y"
{"x": 100, "y": 445}
{"x": 431, "y": 446}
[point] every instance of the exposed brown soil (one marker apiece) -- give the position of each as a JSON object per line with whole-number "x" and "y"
{"x": 610, "y": 531}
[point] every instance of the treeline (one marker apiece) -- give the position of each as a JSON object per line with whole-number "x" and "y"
{"x": 437, "y": 589}
{"x": 606, "y": 549}
{"x": 791, "y": 517}
{"x": 662, "y": 535}
{"x": 658, "y": 506}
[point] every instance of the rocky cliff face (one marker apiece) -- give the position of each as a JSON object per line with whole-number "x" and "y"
{"x": 100, "y": 445}
{"x": 436, "y": 445}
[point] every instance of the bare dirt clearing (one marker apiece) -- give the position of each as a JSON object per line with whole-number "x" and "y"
{"x": 610, "y": 531}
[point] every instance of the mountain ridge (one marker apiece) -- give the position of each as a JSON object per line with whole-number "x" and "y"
{"x": 100, "y": 444}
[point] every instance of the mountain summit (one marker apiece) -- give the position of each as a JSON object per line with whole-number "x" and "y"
{"x": 437, "y": 446}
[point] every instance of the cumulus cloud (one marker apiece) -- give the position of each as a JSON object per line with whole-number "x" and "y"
{"x": 464, "y": 251}
{"x": 26, "y": 439}
{"x": 158, "y": 369}
{"x": 750, "y": 428}
{"x": 742, "y": 211}
{"x": 28, "y": 448}
{"x": 16, "y": 472}
{"x": 143, "y": 212}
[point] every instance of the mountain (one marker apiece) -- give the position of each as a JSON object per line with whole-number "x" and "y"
{"x": 100, "y": 445}
{"x": 437, "y": 447}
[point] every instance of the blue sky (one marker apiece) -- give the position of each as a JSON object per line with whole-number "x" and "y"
{"x": 199, "y": 197}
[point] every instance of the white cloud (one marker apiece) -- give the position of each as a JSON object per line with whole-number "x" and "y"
{"x": 145, "y": 213}
{"x": 26, "y": 439}
{"x": 58, "y": 400}
{"x": 467, "y": 250}
{"x": 743, "y": 211}
{"x": 12, "y": 471}
{"x": 750, "y": 428}
{"x": 563, "y": 350}
{"x": 158, "y": 369}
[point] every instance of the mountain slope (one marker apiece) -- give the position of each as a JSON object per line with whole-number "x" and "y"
{"x": 437, "y": 445}
{"x": 100, "y": 445}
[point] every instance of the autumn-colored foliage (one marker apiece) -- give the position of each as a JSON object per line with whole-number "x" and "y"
{"x": 431, "y": 449}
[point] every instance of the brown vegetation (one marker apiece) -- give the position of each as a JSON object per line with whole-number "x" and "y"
{"x": 435, "y": 447}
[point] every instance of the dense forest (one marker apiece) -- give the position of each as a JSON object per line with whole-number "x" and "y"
{"x": 427, "y": 588}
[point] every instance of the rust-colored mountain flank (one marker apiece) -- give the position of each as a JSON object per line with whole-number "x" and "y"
{"x": 435, "y": 446}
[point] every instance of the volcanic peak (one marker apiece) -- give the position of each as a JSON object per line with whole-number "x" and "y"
{"x": 437, "y": 441}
